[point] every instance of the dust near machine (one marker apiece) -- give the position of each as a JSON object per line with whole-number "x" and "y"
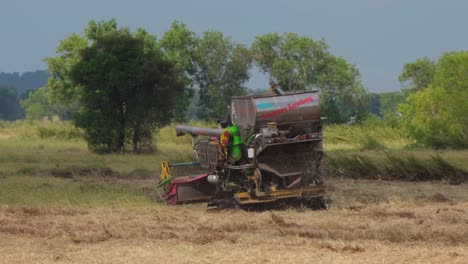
{"x": 267, "y": 154}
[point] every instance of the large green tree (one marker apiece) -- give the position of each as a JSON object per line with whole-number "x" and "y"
{"x": 124, "y": 87}
{"x": 437, "y": 116}
{"x": 301, "y": 63}
{"x": 178, "y": 45}
{"x": 222, "y": 69}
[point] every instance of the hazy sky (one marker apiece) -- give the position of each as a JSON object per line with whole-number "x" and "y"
{"x": 377, "y": 36}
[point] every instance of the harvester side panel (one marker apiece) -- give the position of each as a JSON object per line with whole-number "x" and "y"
{"x": 297, "y": 110}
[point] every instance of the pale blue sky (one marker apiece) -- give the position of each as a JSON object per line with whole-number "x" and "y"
{"x": 377, "y": 36}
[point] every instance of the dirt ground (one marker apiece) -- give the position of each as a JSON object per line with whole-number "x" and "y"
{"x": 433, "y": 229}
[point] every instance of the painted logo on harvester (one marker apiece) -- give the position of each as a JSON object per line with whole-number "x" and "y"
{"x": 264, "y": 105}
{"x": 288, "y": 107}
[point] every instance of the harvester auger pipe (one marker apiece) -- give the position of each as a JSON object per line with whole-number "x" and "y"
{"x": 198, "y": 131}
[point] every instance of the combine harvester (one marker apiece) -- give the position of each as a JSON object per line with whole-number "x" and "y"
{"x": 267, "y": 154}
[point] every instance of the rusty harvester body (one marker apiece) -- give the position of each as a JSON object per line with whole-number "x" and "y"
{"x": 268, "y": 152}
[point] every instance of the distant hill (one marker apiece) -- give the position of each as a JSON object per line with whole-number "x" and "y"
{"x": 24, "y": 82}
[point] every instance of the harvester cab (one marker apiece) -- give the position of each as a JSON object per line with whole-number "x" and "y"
{"x": 267, "y": 153}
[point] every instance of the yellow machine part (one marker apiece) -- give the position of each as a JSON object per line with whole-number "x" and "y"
{"x": 247, "y": 198}
{"x": 165, "y": 171}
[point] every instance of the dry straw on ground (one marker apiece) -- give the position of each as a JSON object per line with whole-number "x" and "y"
{"x": 389, "y": 232}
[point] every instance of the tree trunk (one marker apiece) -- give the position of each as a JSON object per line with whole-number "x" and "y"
{"x": 121, "y": 133}
{"x": 136, "y": 138}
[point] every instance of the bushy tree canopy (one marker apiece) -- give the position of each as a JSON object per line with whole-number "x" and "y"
{"x": 178, "y": 45}
{"x": 214, "y": 66}
{"x": 222, "y": 69}
{"x": 419, "y": 74}
{"x": 438, "y": 115}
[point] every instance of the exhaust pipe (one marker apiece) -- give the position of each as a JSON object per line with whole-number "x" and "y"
{"x": 276, "y": 89}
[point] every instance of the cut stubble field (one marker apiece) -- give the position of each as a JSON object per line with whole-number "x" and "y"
{"x": 61, "y": 204}
{"x": 430, "y": 229}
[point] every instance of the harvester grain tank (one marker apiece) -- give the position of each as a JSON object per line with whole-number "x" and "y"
{"x": 268, "y": 152}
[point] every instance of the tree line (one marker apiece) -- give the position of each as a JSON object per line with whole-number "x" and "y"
{"x": 120, "y": 86}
